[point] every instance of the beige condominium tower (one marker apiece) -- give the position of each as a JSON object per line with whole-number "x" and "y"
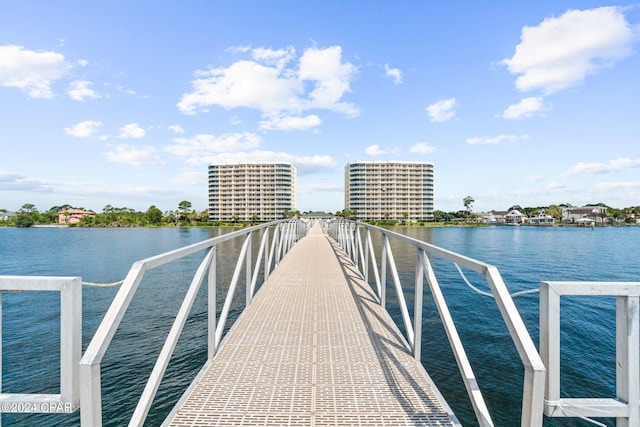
{"x": 251, "y": 191}
{"x": 389, "y": 190}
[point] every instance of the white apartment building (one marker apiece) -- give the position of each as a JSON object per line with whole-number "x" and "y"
{"x": 381, "y": 190}
{"x": 251, "y": 191}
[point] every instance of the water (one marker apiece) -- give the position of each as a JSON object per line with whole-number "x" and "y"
{"x": 524, "y": 255}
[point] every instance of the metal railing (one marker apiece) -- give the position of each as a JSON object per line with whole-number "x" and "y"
{"x": 272, "y": 250}
{"x": 68, "y": 399}
{"x": 349, "y": 235}
{"x": 626, "y": 406}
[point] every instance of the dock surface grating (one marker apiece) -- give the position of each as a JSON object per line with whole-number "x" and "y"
{"x": 314, "y": 349}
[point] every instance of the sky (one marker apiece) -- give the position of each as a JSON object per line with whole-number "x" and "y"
{"x": 126, "y": 103}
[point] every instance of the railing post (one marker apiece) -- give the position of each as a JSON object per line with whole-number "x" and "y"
{"x": 417, "y": 306}
{"x": 90, "y": 396}
{"x": 212, "y": 314}
{"x": 628, "y": 363}
{"x": 383, "y": 272}
{"x": 266, "y": 257}
{"x": 367, "y": 239}
{"x": 248, "y": 273}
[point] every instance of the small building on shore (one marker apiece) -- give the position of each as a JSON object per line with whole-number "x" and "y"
{"x": 72, "y": 216}
{"x": 514, "y": 217}
{"x": 542, "y": 219}
{"x": 584, "y": 213}
{"x": 8, "y": 216}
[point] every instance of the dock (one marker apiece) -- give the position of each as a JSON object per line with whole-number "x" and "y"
{"x": 314, "y": 348}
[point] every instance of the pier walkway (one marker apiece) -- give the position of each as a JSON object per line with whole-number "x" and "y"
{"x": 313, "y": 349}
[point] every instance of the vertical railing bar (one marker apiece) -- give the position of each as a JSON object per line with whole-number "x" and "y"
{"x": 274, "y": 246}
{"x": 417, "y": 307}
{"x": 292, "y": 235}
{"x": 473, "y": 390}
{"x": 281, "y": 243}
{"x": 90, "y": 377}
{"x": 383, "y": 274}
{"x": 628, "y": 363}
{"x": 212, "y": 314}
{"x": 70, "y": 340}
{"x": 535, "y": 371}
{"x": 361, "y": 252}
{"x": 248, "y": 271}
{"x": 352, "y": 239}
{"x": 0, "y": 351}
{"x": 265, "y": 237}
{"x": 151, "y": 388}
{"x": 400, "y": 294}
{"x": 366, "y": 255}
{"x": 374, "y": 266}
{"x": 231, "y": 292}
{"x": 254, "y": 279}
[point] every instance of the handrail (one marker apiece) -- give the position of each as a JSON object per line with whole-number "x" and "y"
{"x": 348, "y": 234}
{"x": 286, "y": 233}
{"x": 626, "y": 406}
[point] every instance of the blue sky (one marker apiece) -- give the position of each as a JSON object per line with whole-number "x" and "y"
{"x": 126, "y": 103}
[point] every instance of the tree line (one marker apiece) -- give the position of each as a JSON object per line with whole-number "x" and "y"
{"x": 111, "y": 216}
{"x": 613, "y": 215}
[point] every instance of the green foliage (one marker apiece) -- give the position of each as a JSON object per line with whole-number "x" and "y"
{"x": 154, "y": 215}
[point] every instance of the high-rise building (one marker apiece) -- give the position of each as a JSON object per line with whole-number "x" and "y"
{"x": 251, "y": 191}
{"x": 389, "y": 190}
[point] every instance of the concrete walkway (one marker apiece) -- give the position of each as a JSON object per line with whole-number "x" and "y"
{"x": 313, "y": 349}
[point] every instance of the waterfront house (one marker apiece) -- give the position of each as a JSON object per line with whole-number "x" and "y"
{"x": 7, "y": 216}
{"x": 593, "y": 213}
{"x": 72, "y": 216}
{"x": 495, "y": 217}
{"x": 541, "y": 219}
{"x": 514, "y": 217}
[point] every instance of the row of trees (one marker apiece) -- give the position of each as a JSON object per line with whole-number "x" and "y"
{"x": 111, "y": 216}
{"x": 184, "y": 215}
{"x": 627, "y": 214}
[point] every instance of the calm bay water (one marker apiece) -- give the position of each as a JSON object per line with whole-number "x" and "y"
{"x": 524, "y": 255}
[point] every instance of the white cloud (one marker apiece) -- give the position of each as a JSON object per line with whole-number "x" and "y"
{"x": 533, "y": 178}
{"x": 291, "y": 123}
{"x": 79, "y": 90}
{"x": 31, "y": 71}
{"x": 374, "y": 150}
{"x": 606, "y": 187}
{"x": 176, "y": 129}
{"x": 269, "y": 83}
{"x": 131, "y": 131}
{"x": 304, "y": 164}
{"x": 525, "y": 109}
{"x": 84, "y": 129}
{"x": 278, "y": 58}
{"x": 555, "y": 186}
{"x": 594, "y": 168}
{"x": 134, "y": 156}
{"x": 331, "y": 79}
{"x": 393, "y": 73}
{"x": 312, "y": 188}
{"x": 561, "y": 51}
{"x": 190, "y": 178}
{"x": 202, "y": 146}
{"x": 423, "y": 148}
{"x": 497, "y": 139}
{"x": 10, "y": 181}
{"x": 442, "y": 110}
